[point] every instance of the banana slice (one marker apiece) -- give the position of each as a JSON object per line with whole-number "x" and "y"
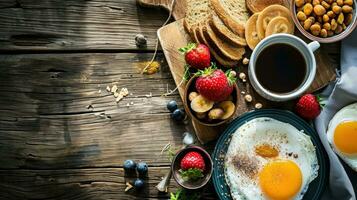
{"x": 279, "y": 25}
{"x": 251, "y": 34}
{"x": 268, "y": 14}
{"x": 201, "y": 104}
{"x": 228, "y": 108}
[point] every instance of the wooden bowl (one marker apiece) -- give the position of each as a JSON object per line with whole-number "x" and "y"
{"x": 190, "y": 86}
{"x": 332, "y": 39}
{"x": 175, "y": 167}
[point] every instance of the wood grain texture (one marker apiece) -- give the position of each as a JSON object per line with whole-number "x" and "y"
{"x": 173, "y": 36}
{"x": 79, "y": 184}
{"x": 76, "y": 24}
{"x": 45, "y": 121}
{"x": 179, "y": 6}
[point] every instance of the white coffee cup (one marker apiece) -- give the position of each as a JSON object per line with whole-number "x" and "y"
{"x": 307, "y": 50}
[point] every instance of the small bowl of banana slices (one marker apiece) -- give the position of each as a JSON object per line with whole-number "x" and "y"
{"x": 210, "y": 112}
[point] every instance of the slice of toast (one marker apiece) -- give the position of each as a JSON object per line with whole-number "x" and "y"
{"x": 196, "y": 11}
{"x": 223, "y": 32}
{"x": 231, "y": 51}
{"x": 256, "y": 6}
{"x": 233, "y": 13}
{"x": 223, "y": 60}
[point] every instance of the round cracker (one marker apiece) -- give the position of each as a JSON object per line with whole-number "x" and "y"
{"x": 279, "y": 25}
{"x": 251, "y": 34}
{"x": 268, "y": 14}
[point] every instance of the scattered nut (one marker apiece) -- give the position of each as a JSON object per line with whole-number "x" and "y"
{"x": 336, "y": 9}
{"x": 340, "y": 18}
{"x": 301, "y": 16}
{"x": 299, "y": 3}
{"x": 258, "y": 106}
{"x": 339, "y": 2}
{"x": 116, "y": 94}
{"x": 120, "y": 97}
{"x": 245, "y": 61}
{"x": 348, "y": 2}
{"x": 323, "y": 33}
{"x": 307, "y": 9}
{"x": 108, "y": 88}
{"x": 242, "y": 76}
{"x": 346, "y": 9}
{"x": 248, "y": 98}
{"x": 128, "y": 186}
{"x": 327, "y": 26}
{"x": 242, "y": 92}
{"x": 319, "y": 10}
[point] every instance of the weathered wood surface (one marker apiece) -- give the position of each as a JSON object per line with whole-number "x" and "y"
{"x": 173, "y": 36}
{"x": 78, "y": 184}
{"x": 76, "y": 24}
{"x": 179, "y": 6}
{"x": 45, "y": 121}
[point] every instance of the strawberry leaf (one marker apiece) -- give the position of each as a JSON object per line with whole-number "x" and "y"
{"x": 207, "y": 71}
{"x": 231, "y": 78}
{"x": 320, "y": 100}
{"x": 191, "y": 174}
{"x": 187, "y": 48}
{"x": 186, "y": 74}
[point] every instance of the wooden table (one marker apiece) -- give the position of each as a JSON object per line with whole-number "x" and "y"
{"x": 62, "y": 136}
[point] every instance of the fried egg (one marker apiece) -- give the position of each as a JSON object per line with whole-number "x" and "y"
{"x": 269, "y": 159}
{"x": 342, "y": 134}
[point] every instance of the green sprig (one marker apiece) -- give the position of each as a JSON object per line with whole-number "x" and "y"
{"x": 191, "y": 174}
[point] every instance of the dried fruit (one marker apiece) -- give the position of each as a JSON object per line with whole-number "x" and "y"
{"x": 228, "y": 107}
{"x": 201, "y": 104}
{"x": 215, "y": 113}
{"x": 192, "y": 95}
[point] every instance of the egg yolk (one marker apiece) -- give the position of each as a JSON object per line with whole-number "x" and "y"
{"x": 280, "y": 180}
{"x": 345, "y": 137}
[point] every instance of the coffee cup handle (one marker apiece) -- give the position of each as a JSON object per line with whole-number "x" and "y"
{"x": 313, "y": 46}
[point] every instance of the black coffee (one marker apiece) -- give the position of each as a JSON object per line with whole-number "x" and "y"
{"x": 280, "y": 68}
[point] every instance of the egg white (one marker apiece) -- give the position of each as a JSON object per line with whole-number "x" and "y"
{"x": 275, "y": 133}
{"x": 348, "y": 113}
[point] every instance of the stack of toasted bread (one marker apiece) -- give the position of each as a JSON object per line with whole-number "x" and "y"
{"x": 221, "y": 24}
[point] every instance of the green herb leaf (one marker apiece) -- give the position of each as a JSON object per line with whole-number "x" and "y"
{"x": 186, "y": 74}
{"x": 187, "y": 48}
{"x": 191, "y": 174}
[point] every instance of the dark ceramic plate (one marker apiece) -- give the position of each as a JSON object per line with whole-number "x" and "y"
{"x": 316, "y": 187}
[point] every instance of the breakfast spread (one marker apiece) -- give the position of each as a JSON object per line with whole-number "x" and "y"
{"x": 265, "y": 157}
{"x": 269, "y": 159}
{"x": 342, "y": 134}
{"x": 324, "y": 18}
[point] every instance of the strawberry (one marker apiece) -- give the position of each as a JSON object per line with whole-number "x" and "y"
{"x": 308, "y": 106}
{"x": 197, "y": 56}
{"x": 192, "y": 166}
{"x": 214, "y": 84}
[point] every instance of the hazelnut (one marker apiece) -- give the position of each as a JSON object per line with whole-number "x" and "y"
{"x": 301, "y": 16}
{"x": 346, "y": 9}
{"x": 319, "y": 10}
{"x": 339, "y": 2}
{"x": 323, "y": 33}
{"x": 307, "y": 24}
{"x": 307, "y": 9}
{"x": 327, "y": 26}
{"x": 336, "y": 9}
{"x": 348, "y": 2}
{"x": 325, "y": 18}
{"x": 245, "y": 61}
{"x": 248, "y": 98}
{"x": 232, "y": 73}
{"x": 315, "y": 29}
{"x": 329, "y": 1}
{"x": 299, "y": 3}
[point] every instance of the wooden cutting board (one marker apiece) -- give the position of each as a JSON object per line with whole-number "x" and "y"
{"x": 173, "y": 36}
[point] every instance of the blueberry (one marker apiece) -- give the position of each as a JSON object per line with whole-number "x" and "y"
{"x": 139, "y": 183}
{"x": 142, "y": 168}
{"x": 129, "y": 165}
{"x": 171, "y": 105}
{"x": 178, "y": 115}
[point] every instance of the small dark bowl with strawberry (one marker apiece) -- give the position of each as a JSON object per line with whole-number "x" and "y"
{"x": 211, "y": 96}
{"x": 192, "y": 167}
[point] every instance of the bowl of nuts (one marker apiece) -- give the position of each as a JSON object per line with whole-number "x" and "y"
{"x": 325, "y": 21}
